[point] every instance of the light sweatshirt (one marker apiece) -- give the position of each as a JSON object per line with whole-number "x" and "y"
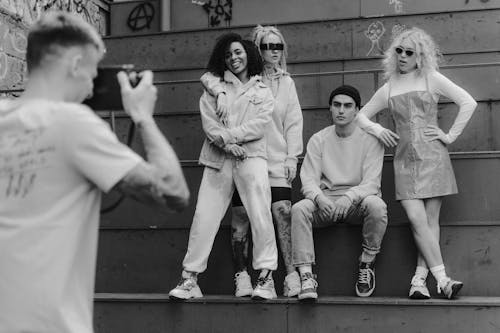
{"x": 284, "y": 136}
{"x": 350, "y": 166}
{"x": 403, "y": 83}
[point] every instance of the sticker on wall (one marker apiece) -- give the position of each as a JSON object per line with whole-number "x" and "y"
{"x": 218, "y": 11}
{"x": 374, "y": 32}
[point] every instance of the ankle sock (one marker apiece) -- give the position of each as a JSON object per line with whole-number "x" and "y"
{"x": 422, "y": 272}
{"x": 187, "y": 275}
{"x": 439, "y": 274}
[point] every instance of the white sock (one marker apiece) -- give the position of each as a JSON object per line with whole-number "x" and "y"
{"x": 305, "y": 269}
{"x": 422, "y": 272}
{"x": 187, "y": 275}
{"x": 439, "y": 274}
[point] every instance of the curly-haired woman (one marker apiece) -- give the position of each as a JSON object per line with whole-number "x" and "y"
{"x": 422, "y": 166}
{"x": 234, "y": 156}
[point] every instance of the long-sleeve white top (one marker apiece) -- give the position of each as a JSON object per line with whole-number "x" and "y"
{"x": 438, "y": 85}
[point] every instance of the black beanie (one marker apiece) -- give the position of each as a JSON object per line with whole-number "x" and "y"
{"x": 346, "y": 90}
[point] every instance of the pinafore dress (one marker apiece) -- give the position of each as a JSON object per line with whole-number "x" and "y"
{"x": 421, "y": 169}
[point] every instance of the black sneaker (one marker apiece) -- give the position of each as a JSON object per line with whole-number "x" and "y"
{"x": 366, "y": 279}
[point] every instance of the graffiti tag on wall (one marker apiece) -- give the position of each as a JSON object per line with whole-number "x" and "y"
{"x": 218, "y": 11}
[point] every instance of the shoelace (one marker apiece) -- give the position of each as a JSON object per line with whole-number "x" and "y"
{"x": 364, "y": 276}
{"x": 309, "y": 283}
{"x": 186, "y": 283}
{"x": 417, "y": 281}
{"x": 262, "y": 280}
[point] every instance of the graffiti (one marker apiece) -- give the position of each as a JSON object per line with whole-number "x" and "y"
{"x": 217, "y": 11}
{"x": 398, "y": 5}
{"x": 374, "y": 32}
{"x": 141, "y": 16}
{"x": 75, "y": 6}
{"x": 397, "y": 29}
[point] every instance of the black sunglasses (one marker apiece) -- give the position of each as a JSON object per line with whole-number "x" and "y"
{"x": 272, "y": 46}
{"x": 400, "y": 50}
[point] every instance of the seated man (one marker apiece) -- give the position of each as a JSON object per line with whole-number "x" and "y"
{"x": 340, "y": 179}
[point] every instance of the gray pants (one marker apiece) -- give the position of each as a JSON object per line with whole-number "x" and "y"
{"x": 305, "y": 215}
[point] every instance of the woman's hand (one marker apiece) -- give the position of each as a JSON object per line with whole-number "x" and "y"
{"x": 290, "y": 173}
{"x": 236, "y": 150}
{"x": 222, "y": 108}
{"x": 388, "y": 138}
{"x": 433, "y": 132}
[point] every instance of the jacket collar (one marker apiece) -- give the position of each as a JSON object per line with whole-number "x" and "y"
{"x": 233, "y": 79}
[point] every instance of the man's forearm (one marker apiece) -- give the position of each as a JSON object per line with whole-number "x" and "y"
{"x": 162, "y": 157}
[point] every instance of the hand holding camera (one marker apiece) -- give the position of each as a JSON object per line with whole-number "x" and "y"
{"x": 138, "y": 102}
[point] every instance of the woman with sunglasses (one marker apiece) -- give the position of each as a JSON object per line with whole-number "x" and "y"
{"x": 234, "y": 156}
{"x": 422, "y": 166}
{"x": 284, "y": 145}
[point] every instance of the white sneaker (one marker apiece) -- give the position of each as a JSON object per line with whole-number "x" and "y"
{"x": 264, "y": 288}
{"x": 449, "y": 288}
{"x": 186, "y": 289}
{"x": 243, "y": 284}
{"x": 291, "y": 285}
{"x": 418, "y": 288}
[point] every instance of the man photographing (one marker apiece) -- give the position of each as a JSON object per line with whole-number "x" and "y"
{"x": 56, "y": 156}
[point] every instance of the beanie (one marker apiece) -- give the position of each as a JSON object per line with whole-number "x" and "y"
{"x": 348, "y": 91}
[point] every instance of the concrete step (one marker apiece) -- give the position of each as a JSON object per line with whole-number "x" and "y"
{"x": 154, "y": 313}
{"x": 477, "y": 200}
{"x": 151, "y": 260}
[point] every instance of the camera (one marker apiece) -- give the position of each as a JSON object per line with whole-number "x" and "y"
{"x": 106, "y": 94}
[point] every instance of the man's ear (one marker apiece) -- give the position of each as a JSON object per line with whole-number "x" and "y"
{"x": 75, "y": 64}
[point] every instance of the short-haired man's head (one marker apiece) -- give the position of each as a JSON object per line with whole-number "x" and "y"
{"x": 348, "y": 91}
{"x": 55, "y": 32}
{"x": 217, "y": 64}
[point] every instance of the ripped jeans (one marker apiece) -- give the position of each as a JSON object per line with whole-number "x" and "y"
{"x": 216, "y": 190}
{"x": 305, "y": 215}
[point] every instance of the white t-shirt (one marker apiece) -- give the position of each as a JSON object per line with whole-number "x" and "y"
{"x": 55, "y": 159}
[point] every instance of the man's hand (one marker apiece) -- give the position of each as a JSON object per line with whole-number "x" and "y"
{"x": 389, "y": 138}
{"x": 290, "y": 173}
{"x": 236, "y": 150}
{"x": 138, "y": 102}
{"x": 435, "y": 133}
{"x": 342, "y": 206}
{"x": 222, "y": 108}
{"x": 325, "y": 207}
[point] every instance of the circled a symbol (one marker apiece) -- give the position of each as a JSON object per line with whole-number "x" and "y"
{"x": 141, "y": 16}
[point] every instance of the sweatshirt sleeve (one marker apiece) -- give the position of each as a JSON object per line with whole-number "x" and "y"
{"x": 372, "y": 172}
{"x": 310, "y": 172}
{"x": 377, "y": 103}
{"x": 212, "y": 84}
{"x": 292, "y": 127}
{"x": 209, "y": 120}
{"x": 254, "y": 128}
{"x": 462, "y": 98}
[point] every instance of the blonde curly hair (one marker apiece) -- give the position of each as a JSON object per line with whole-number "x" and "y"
{"x": 258, "y": 34}
{"x": 427, "y": 52}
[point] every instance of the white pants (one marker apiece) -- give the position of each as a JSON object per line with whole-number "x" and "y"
{"x": 216, "y": 190}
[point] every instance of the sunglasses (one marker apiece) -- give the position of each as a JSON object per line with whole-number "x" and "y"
{"x": 272, "y": 46}
{"x": 408, "y": 53}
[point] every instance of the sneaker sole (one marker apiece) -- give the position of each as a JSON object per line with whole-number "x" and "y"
{"x": 418, "y": 295}
{"x": 308, "y": 297}
{"x": 455, "y": 289}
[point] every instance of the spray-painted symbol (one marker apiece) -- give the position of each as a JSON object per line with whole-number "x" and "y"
{"x": 141, "y": 16}
{"x": 398, "y": 5}
{"x": 218, "y": 11}
{"x": 374, "y": 32}
{"x": 398, "y": 29}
